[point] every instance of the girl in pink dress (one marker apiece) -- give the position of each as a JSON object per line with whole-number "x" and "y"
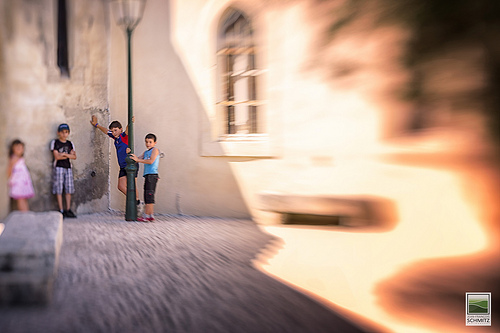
{"x": 20, "y": 185}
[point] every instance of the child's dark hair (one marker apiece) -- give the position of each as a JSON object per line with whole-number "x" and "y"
{"x": 115, "y": 124}
{"x": 14, "y": 143}
{"x": 151, "y": 136}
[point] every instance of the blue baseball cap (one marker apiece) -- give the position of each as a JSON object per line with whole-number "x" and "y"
{"x": 63, "y": 127}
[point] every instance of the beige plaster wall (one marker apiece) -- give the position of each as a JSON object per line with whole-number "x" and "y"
{"x": 36, "y": 99}
{"x": 328, "y": 133}
{"x": 166, "y": 102}
{"x": 312, "y": 127}
{"x": 3, "y": 130}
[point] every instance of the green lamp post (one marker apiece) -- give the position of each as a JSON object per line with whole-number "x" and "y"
{"x": 128, "y": 14}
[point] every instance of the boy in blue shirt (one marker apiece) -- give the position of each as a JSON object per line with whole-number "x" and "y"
{"x": 120, "y": 138}
{"x": 151, "y": 159}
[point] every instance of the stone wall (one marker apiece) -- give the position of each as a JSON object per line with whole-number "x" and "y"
{"x": 35, "y": 97}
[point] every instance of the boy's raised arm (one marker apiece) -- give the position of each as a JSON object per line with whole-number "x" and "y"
{"x": 94, "y": 123}
{"x": 126, "y": 129}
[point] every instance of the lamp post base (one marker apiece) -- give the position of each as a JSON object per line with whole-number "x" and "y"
{"x": 131, "y": 204}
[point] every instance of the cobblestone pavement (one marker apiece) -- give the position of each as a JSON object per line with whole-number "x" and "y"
{"x": 179, "y": 274}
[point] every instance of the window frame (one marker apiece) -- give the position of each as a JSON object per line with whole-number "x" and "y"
{"x": 237, "y": 87}
{"x": 216, "y": 143}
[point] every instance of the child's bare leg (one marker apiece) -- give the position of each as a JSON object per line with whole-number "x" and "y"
{"x": 136, "y": 191}
{"x": 22, "y": 205}
{"x": 59, "y": 201}
{"x": 149, "y": 209}
{"x": 122, "y": 184}
{"x": 68, "y": 201}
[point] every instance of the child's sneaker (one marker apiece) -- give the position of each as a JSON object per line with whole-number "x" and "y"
{"x": 150, "y": 219}
{"x": 142, "y": 219}
{"x": 140, "y": 208}
{"x": 69, "y": 213}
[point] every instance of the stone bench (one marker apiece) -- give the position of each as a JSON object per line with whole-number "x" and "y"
{"x": 347, "y": 210}
{"x": 29, "y": 254}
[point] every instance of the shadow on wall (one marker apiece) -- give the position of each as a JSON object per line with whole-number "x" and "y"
{"x": 189, "y": 183}
{"x": 93, "y": 181}
{"x": 41, "y": 176}
{"x": 91, "y": 178}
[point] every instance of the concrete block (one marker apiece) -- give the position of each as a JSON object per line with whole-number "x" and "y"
{"x": 29, "y": 257}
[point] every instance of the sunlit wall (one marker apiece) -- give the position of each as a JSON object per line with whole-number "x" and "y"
{"x": 338, "y": 124}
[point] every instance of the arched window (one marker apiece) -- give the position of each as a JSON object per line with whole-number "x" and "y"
{"x": 237, "y": 102}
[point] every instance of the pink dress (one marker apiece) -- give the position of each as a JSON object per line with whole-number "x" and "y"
{"x": 20, "y": 185}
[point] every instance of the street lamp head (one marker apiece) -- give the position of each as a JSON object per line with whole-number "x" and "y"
{"x": 128, "y": 13}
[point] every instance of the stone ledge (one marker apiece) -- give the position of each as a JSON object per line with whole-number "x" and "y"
{"x": 29, "y": 257}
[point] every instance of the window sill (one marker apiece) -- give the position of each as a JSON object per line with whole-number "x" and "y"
{"x": 253, "y": 145}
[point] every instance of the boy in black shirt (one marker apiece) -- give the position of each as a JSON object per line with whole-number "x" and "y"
{"x": 63, "y": 151}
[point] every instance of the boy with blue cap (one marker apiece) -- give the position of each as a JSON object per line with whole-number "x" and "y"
{"x": 63, "y": 151}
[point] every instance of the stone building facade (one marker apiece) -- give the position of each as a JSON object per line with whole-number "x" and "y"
{"x": 245, "y": 97}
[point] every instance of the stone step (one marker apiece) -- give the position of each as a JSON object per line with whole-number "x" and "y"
{"x": 29, "y": 256}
